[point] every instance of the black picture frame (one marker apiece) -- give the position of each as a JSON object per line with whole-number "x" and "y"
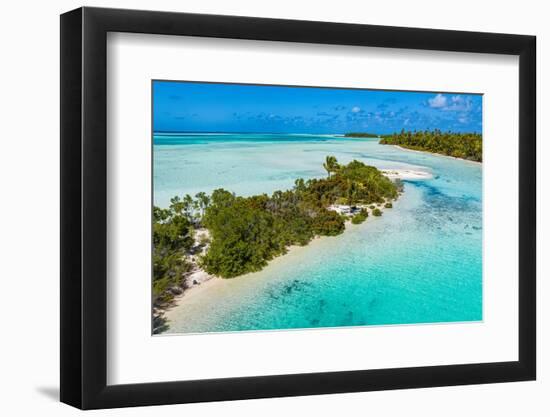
{"x": 84, "y": 207}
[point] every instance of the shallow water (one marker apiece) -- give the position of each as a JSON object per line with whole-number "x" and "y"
{"x": 421, "y": 262}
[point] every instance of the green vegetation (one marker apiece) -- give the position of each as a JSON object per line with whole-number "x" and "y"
{"x": 388, "y": 205}
{"x": 247, "y": 232}
{"x": 460, "y": 145}
{"x": 360, "y": 217}
{"x": 172, "y": 239}
{"x": 376, "y": 212}
{"x": 361, "y": 135}
{"x": 331, "y": 165}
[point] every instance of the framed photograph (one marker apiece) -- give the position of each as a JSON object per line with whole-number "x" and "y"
{"x": 257, "y": 208}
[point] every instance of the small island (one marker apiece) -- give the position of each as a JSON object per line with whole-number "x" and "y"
{"x": 361, "y": 135}
{"x": 223, "y": 235}
{"x": 458, "y": 145}
{"x": 467, "y": 146}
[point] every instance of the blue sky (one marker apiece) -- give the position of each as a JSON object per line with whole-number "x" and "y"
{"x": 207, "y": 107}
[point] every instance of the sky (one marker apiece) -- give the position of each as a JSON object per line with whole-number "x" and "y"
{"x": 213, "y": 107}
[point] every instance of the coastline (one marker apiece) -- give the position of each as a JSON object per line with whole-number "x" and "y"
{"x": 215, "y": 281}
{"x": 436, "y": 154}
{"x": 206, "y": 282}
{"x": 226, "y": 287}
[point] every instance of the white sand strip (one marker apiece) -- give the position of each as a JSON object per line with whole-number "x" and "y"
{"x": 406, "y": 174}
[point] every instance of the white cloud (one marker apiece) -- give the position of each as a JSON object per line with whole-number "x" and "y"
{"x": 455, "y": 103}
{"x": 460, "y": 103}
{"x": 356, "y": 109}
{"x": 438, "y": 101}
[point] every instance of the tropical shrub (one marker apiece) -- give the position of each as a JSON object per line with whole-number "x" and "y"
{"x": 360, "y": 217}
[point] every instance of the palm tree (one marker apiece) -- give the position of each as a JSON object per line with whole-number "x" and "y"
{"x": 331, "y": 164}
{"x": 352, "y": 191}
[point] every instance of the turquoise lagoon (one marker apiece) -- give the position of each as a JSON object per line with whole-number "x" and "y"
{"x": 421, "y": 262}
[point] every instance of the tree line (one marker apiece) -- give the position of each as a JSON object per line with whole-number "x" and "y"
{"x": 361, "y": 135}
{"x": 460, "y": 145}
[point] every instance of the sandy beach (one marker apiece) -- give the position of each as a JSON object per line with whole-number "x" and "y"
{"x": 212, "y": 283}
{"x": 435, "y": 154}
{"x": 407, "y": 174}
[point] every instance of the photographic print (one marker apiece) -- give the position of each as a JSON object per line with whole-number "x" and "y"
{"x": 294, "y": 207}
